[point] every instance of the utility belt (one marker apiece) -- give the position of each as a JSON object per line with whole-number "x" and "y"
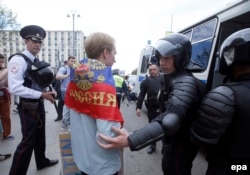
{"x": 30, "y": 100}
{"x": 31, "y": 106}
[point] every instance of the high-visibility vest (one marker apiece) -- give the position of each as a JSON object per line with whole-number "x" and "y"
{"x": 118, "y": 81}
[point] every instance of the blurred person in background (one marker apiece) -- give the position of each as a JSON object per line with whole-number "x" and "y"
{"x": 58, "y": 81}
{"x": 150, "y": 87}
{"x": 63, "y": 75}
{"x": 121, "y": 87}
{"x": 5, "y": 100}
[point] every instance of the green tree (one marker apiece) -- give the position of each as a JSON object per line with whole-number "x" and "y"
{"x": 7, "y": 18}
{"x": 8, "y": 27}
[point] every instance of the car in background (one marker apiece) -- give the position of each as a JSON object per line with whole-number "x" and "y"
{"x": 131, "y": 84}
{"x": 132, "y": 81}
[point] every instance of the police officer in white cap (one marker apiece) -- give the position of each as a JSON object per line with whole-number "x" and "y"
{"x": 22, "y": 81}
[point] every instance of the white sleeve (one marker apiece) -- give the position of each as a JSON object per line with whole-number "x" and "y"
{"x": 16, "y": 72}
{"x": 61, "y": 71}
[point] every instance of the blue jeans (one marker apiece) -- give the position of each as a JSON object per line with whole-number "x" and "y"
{"x": 66, "y": 116}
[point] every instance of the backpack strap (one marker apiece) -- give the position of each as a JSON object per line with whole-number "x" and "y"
{"x": 24, "y": 56}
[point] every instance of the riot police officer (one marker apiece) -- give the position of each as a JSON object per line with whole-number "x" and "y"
{"x": 28, "y": 78}
{"x": 181, "y": 92}
{"x": 222, "y": 125}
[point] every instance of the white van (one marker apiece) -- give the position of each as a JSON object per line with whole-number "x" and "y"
{"x": 142, "y": 70}
{"x": 206, "y": 37}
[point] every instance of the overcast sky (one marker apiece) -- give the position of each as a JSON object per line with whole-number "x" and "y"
{"x": 131, "y": 22}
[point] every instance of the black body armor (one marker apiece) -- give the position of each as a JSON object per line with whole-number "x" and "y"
{"x": 40, "y": 72}
{"x": 224, "y": 120}
{"x": 180, "y": 96}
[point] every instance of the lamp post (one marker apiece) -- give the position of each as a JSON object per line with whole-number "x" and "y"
{"x": 73, "y": 13}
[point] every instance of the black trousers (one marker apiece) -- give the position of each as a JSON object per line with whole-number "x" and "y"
{"x": 60, "y": 108}
{"x": 177, "y": 156}
{"x": 33, "y": 138}
{"x": 118, "y": 99}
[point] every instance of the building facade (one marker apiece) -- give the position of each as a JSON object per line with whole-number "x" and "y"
{"x": 57, "y": 45}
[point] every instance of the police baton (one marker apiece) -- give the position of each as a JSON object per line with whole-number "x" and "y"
{"x": 51, "y": 89}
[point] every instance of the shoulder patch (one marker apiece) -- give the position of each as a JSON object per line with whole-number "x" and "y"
{"x": 14, "y": 67}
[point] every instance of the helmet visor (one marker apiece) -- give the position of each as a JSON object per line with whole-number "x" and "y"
{"x": 166, "y": 49}
{"x": 238, "y": 38}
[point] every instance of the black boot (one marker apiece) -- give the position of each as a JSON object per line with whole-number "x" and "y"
{"x": 58, "y": 118}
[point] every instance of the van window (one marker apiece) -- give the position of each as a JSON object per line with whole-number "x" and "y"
{"x": 201, "y": 38}
{"x": 147, "y": 54}
{"x": 188, "y": 34}
{"x": 204, "y": 31}
{"x": 144, "y": 64}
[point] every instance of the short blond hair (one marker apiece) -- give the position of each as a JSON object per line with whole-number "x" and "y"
{"x": 97, "y": 42}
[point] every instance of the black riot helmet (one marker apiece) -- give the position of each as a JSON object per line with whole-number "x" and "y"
{"x": 41, "y": 73}
{"x": 235, "y": 51}
{"x": 177, "y": 45}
